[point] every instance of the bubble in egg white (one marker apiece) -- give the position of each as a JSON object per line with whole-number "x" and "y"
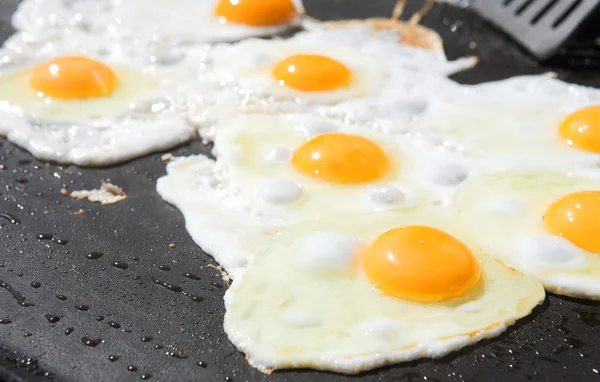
{"x": 383, "y": 328}
{"x": 549, "y": 251}
{"x": 449, "y": 175}
{"x": 311, "y": 128}
{"x": 384, "y": 196}
{"x": 330, "y": 250}
{"x": 279, "y": 154}
{"x": 278, "y": 191}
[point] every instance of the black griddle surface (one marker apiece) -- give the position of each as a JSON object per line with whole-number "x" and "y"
{"x": 559, "y": 341}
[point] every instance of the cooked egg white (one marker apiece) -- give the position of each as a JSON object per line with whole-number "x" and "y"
{"x": 509, "y": 216}
{"x": 307, "y": 303}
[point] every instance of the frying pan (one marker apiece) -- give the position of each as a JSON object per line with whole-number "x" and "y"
{"x": 165, "y": 336}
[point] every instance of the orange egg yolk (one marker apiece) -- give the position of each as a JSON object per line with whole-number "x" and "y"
{"x": 341, "y": 158}
{"x": 73, "y": 77}
{"x": 312, "y": 72}
{"x": 581, "y": 129}
{"x": 576, "y": 217}
{"x": 258, "y": 13}
{"x": 420, "y": 263}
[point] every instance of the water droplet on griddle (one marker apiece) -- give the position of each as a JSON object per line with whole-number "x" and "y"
{"x": 146, "y": 376}
{"x": 27, "y": 335}
{"x": 69, "y": 330}
{"x": 100, "y": 318}
{"x": 164, "y": 267}
{"x": 83, "y": 308}
{"x": 120, "y": 264}
{"x": 194, "y": 297}
{"x": 45, "y": 236}
{"x": 191, "y": 276}
{"x": 5, "y": 321}
{"x": 113, "y": 358}
{"x": 135, "y": 258}
{"x": 114, "y": 324}
{"x": 137, "y": 277}
{"x": 11, "y": 219}
{"x": 36, "y": 284}
{"x": 93, "y": 342}
{"x": 94, "y": 255}
{"x": 228, "y": 379}
{"x": 176, "y": 355}
{"x": 52, "y": 318}
{"x": 16, "y": 295}
{"x": 61, "y": 297}
{"x": 147, "y": 338}
{"x": 171, "y": 287}
{"x": 132, "y": 368}
{"x": 202, "y": 364}
{"x": 158, "y": 346}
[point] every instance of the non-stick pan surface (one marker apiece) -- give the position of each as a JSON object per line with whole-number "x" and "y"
{"x": 165, "y": 336}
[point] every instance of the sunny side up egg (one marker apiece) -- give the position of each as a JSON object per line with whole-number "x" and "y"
{"x": 546, "y": 224}
{"x": 351, "y": 293}
{"x": 522, "y": 122}
{"x": 159, "y": 22}
{"x": 87, "y": 109}
{"x": 324, "y": 67}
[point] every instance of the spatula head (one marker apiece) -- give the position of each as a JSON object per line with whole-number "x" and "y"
{"x": 540, "y": 26}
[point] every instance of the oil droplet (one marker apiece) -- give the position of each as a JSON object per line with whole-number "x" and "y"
{"x": 27, "y": 335}
{"x": 137, "y": 277}
{"x": 120, "y": 264}
{"x": 94, "y": 255}
{"x": 176, "y": 355}
{"x": 93, "y": 342}
{"x": 61, "y": 297}
{"x": 52, "y": 318}
{"x": 132, "y": 368}
{"x": 146, "y": 376}
{"x": 82, "y": 308}
{"x": 202, "y": 364}
{"x": 16, "y": 295}
{"x": 191, "y": 276}
{"x": 11, "y": 219}
{"x": 147, "y": 338}
{"x": 158, "y": 346}
{"x": 113, "y": 358}
{"x": 228, "y": 379}
{"x": 36, "y": 284}
{"x": 114, "y": 324}
{"x": 69, "y": 330}
{"x": 5, "y": 321}
{"x": 194, "y": 297}
{"x": 45, "y": 236}
{"x": 164, "y": 267}
{"x": 100, "y": 318}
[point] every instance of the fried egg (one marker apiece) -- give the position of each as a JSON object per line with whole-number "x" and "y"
{"x": 352, "y": 293}
{"x": 158, "y": 22}
{"x": 542, "y": 223}
{"x": 86, "y": 106}
{"x": 353, "y": 72}
{"x": 523, "y": 122}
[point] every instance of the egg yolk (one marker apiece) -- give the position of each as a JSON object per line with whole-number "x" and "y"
{"x": 312, "y": 72}
{"x": 341, "y": 158}
{"x": 581, "y": 129}
{"x": 258, "y": 13}
{"x": 576, "y": 217}
{"x": 73, "y": 77}
{"x": 420, "y": 263}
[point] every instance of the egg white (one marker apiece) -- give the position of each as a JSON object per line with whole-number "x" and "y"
{"x": 503, "y": 211}
{"x": 302, "y": 304}
{"x": 139, "y": 117}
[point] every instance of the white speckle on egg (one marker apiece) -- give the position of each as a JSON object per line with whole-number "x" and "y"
{"x": 279, "y": 154}
{"x": 507, "y": 205}
{"x": 330, "y": 250}
{"x": 384, "y": 196}
{"x": 311, "y": 128}
{"x": 278, "y": 191}
{"x": 549, "y": 251}
{"x": 383, "y": 328}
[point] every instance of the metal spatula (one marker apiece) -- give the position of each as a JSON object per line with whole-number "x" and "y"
{"x": 540, "y": 26}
